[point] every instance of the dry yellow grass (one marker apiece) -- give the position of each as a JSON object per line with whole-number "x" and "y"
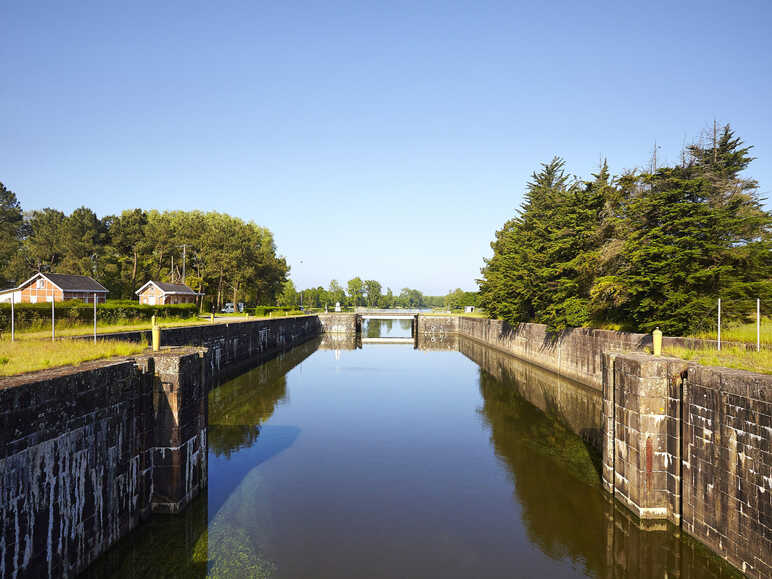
{"x": 728, "y": 357}
{"x": 31, "y": 355}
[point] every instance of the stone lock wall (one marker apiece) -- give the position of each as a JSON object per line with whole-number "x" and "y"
{"x": 340, "y": 323}
{"x": 576, "y": 353}
{"x": 438, "y": 326}
{"x": 727, "y": 465}
{"x": 680, "y": 442}
{"x": 641, "y": 450}
{"x": 691, "y": 444}
{"x": 75, "y": 467}
{"x": 88, "y": 453}
{"x": 180, "y": 411}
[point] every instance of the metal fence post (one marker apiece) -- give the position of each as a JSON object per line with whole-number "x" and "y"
{"x": 719, "y": 324}
{"x": 53, "y": 318}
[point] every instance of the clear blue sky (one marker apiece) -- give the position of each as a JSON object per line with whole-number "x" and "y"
{"x": 388, "y": 140}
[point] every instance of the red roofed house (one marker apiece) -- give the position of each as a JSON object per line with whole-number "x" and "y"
{"x": 156, "y": 293}
{"x": 43, "y": 287}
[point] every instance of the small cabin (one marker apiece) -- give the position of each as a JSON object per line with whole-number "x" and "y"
{"x": 158, "y": 293}
{"x": 57, "y": 287}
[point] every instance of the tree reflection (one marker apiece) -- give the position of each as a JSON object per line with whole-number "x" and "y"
{"x": 238, "y": 407}
{"x": 571, "y": 518}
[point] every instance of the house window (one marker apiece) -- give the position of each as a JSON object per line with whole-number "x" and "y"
{"x": 41, "y": 284}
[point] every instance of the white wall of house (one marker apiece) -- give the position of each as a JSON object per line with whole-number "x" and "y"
{"x": 6, "y": 297}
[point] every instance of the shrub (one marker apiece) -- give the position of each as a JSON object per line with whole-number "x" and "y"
{"x": 76, "y": 313}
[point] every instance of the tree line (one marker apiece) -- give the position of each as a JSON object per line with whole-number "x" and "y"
{"x": 651, "y": 247}
{"x": 221, "y": 256}
{"x": 358, "y": 292}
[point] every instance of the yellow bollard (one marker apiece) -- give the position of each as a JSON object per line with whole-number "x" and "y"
{"x": 211, "y": 318}
{"x": 156, "y": 336}
{"x": 657, "y": 340}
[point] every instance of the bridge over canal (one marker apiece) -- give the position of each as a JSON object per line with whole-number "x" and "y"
{"x": 365, "y": 315}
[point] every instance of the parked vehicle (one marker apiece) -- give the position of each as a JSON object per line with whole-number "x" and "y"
{"x": 228, "y": 308}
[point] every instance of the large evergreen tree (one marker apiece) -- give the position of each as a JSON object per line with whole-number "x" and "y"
{"x": 697, "y": 232}
{"x": 10, "y": 233}
{"x": 641, "y": 250}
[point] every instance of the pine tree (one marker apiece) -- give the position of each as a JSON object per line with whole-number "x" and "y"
{"x": 641, "y": 250}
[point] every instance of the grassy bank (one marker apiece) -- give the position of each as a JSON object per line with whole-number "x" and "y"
{"x": 31, "y": 355}
{"x": 68, "y": 330}
{"x": 728, "y": 357}
{"x": 743, "y": 333}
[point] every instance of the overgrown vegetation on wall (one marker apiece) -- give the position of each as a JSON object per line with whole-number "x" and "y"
{"x": 647, "y": 248}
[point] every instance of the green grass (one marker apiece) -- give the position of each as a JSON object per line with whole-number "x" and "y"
{"x": 728, "y": 357}
{"x": 742, "y": 333}
{"x": 67, "y": 330}
{"x": 31, "y": 355}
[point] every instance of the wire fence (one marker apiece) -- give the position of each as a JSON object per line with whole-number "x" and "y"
{"x": 758, "y": 331}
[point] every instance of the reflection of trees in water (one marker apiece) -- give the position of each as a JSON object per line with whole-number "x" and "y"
{"x": 378, "y": 328}
{"x": 555, "y": 481}
{"x": 238, "y": 407}
{"x": 564, "y": 509}
{"x": 383, "y": 328}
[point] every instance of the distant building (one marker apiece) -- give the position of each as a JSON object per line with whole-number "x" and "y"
{"x": 468, "y": 309}
{"x": 157, "y": 293}
{"x": 44, "y": 287}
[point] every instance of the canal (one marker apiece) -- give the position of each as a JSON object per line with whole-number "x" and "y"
{"x": 449, "y": 459}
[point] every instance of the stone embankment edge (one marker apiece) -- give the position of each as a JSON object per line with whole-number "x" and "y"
{"x": 88, "y": 453}
{"x": 682, "y": 442}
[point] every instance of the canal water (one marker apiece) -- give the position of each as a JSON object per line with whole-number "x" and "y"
{"x": 441, "y": 459}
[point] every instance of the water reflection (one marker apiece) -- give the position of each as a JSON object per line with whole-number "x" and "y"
{"x": 340, "y": 342}
{"x": 569, "y": 403}
{"x": 238, "y": 407}
{"x": 555, "y": 475}
{"x": 387, "y": 328}
{"x": 389, "y": 461}
{"x": 210, "y": 538}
